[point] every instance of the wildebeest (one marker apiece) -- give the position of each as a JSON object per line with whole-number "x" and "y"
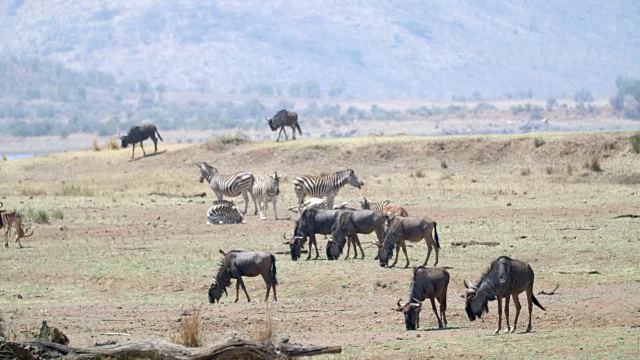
{"x": 386, "y": 207}
{"x": 506, "y": 277}
{"x": 349, "y": 224}
{"x": 235, "y": 265}
{"x": 139, "y": 133}
{"x": 427, "y": 283}
{"x": 224, "y": 212}
{"x": 285, "y": 118}
{"x": 311, "y": 221}
{"x": 409, "y": 228}
{"x": 9, "y": 220}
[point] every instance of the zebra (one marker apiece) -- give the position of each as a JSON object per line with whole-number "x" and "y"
{"x": 377, "y": 206}
{"x": 266, "y": 190}
{"x": 224, "y": 212}
{"x": 324, "y": 186}
{"x": 229, "y": 185}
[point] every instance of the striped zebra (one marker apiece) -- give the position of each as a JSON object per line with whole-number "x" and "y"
{"x": 229, "y": 185}
{"x": 266, "y": 190}
{"x": 324, "y": 186}
{"x": 377, "y": 206}
{"x": 224, "y": 212}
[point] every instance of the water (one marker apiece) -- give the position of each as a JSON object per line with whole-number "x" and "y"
{"x": 18, "y": 156}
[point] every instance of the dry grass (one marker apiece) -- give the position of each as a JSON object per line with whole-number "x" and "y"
{"x": 96, "y": 146}
{"x": 635, "y": 142}
{"x": 443, "y": 164}
{"x": 4, "y": 157}
{"x": 593, "y": 164}
{"x": 265, "y": 330}
{"x": 189, "y": 331}
{"x": 549, "y": 170}
{"x": 525, "y": 171}
{"x": 537, "y": 142}
{"x": 112, "y": 144}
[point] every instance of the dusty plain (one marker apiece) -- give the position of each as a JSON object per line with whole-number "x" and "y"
{"x": 134, "y": 255}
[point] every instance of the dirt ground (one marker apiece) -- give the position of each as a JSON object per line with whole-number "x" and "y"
{"x": 133, "y": 255}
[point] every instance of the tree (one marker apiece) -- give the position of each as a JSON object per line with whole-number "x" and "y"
{"x": 627, "y": 100}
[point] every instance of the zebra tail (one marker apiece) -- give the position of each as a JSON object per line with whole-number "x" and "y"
{"x": 273, "y": 270}
{"x": 435, "y": 230}
{"x": 298, "y": 126}
{"x": 160, "y": 137}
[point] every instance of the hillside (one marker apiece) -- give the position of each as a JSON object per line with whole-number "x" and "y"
{"x": 411, "y": 49}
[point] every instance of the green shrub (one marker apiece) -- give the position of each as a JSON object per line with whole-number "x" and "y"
{"x": 57, "y": 214}
{"x": 41, "y": 217}
{"x": 538, "y": 142}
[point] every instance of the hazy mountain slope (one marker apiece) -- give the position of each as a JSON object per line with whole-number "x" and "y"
{"x": 372, "y": 49}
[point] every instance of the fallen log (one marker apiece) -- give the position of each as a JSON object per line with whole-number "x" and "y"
{"x": 588, "y": 272}
{"x": 552, "y": 292}
{"x": 632, "y": 216}
{"x": 233, "y": 349}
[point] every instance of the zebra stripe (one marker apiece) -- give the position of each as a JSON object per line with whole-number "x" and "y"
{"x": 224, "y": 212}
{"x": 324, "y": 186}
{"x": 377, "y": 206}
{"x": 229, "y": 185}
{"x": 266, "y": 190}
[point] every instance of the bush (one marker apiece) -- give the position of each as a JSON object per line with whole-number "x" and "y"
{"x": 538, "y": 142}
{"x": 583, "y": 95}
{"x": 525, "y": 171}
{"x": 594, "y": 164}
{"x": 635, "y": 142}
{"x": 57, "y": 214}
{"x": 189, "y": 332}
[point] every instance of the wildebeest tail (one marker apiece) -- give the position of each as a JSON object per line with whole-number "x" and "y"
{"x": 298, "y": 127}
{"x": 535, "y": 301}
{"x": 159, "y": 137}
{"x": 435, "y": 230}
{"x": 273, "y": 270}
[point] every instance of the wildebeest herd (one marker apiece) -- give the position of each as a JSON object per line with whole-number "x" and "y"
{"x": 391, "y": 223}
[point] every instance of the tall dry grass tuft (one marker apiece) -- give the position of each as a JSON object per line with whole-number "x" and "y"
{"x": 594, "y": 164}
{"x": 4, "y": 157}
{"x": 635, "y": 142}
{"x": 264, "y": 331}
{"x": 112, "y": 144}
{"x": 443, "y": 164}
{"x": 189, "y": 332}
{"x": 95, "y": 146}
{"x": 525, "y": 171}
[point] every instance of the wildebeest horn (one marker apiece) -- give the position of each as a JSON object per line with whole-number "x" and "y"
{"x": 214, "y": 283}
{"x": 468, "y": 285}
{"x": 415, "y": 303}
{"x": 284, "y": 235}
{"x": 221, "y": 252}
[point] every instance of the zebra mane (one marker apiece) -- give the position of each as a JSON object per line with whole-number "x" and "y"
{"x": 209, "y": 167}
{"x": 342, "y": 173}
{"x": 223, "y": 202}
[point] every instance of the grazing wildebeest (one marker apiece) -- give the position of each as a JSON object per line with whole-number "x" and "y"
{"x": 285, "y": 118}
{"x": 349, "y": 224}
{"x": 427, "y": 283}
{"x": 266, "y": 190}
{"x": 139, "y": 133}
{"x": 224, "y": 212}
{"x": 235, "y": 265}
{"x": 506, "y": 277}
{"x": 385, "y": 207}
{"x": 324, "y": 186}
{"x": 9, "y": 220}
{"x": 409, "y": 228}
{"x": 311, "y": 221}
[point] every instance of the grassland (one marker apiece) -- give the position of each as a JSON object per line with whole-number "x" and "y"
{"x": 132, "y": 252}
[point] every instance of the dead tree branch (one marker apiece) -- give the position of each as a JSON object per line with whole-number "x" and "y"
{"x": 464, "y": 244}
{"x": 553, "y": 292}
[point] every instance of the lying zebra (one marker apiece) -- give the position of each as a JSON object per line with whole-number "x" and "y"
{"x": 224, "y": 212}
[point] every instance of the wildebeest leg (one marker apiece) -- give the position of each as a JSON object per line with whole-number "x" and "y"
{"x": 155, "y": 143}
{"x": 142, "y": 147}
{"x": 293, "y": 130}
{"x": 443, "y": 308}
{"x": 267, "y": 280}
{"x": 499, "y": 315}
{"x": 516, "y": 302}
{"x": 506, "y": 313}
{"x": 398, "y": 244}
{"x": 359, "y": 245}
{"x": 133, "y": 150}
{"x": 315, "y": 245}
{"x": 426, "y": 240}
{"x": 435, "y": 311}
{"x": 239, "y": 282}
{"x": 529, "y": 292}
{"x": 280, "y": 133}
{"x": 404, "y": 250}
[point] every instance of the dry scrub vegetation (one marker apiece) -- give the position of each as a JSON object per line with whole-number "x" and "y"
{"x": 132, "y": 253}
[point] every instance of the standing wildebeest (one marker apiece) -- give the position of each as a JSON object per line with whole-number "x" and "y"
{"x": 138, "y": 134}
{"x": 409, "y": 228}
{"x": 350, "y": 223}
{"x": 266, "y": 190}
{"x": 427, "y": 283}
{"x": 324, "y": 186}
{"x": 224, "y": 212}
{"x": 235, "y": 265}
{"x": 506, "y": 277}
{"x": 229, "y": 185}
{"x": 385, "y": 207}
{"x": 311, "y": 221}
{"x": 285, "y": 118}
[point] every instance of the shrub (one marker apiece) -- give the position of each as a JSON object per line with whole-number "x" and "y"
{"x": 264, "y": 331}
{"x": 525, "y": 171}
{"x": 95, "y": 146}
{"x": 112, "y": 144}
{"x": 41, "y": 217}
{"x": 551, "y": 103}
{"x": 72, "y": 190}
{"x": 443, "y": 164}
{"x": 594, "y": 164}
{"x": 549, "y": 170}
{"x": 569, "y": 169}
{"x": 188, "y": 333}
{"x": 538, "y": 142}
{"x": 57, "y": 214}
{"x": 4, "y": 157}
{"x": 419, "y": 174}
{"x": 635, "y": 142}
{"x": 583, "y": 95}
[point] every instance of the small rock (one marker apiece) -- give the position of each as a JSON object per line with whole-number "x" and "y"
{"x": 508, "y": 204}
{"x": 158, "y": 217}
